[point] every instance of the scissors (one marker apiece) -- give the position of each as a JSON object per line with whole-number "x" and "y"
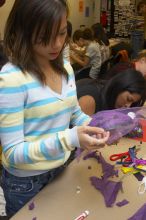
{"x": 124, "y": 157}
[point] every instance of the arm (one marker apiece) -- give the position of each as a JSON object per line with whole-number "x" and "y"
{"x": 23, "y": 148}
{"x": 87, "y": 104}
{"x": 77, "y": 50}
{"x": 83, "y": 62}
{"x": 26, "y": 144}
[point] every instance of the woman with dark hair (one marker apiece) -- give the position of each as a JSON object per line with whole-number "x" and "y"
{"x": 126, "y": 89}
{"x": 101, "y": 38}
{"x": 41, "y": 121}
{"x": 99, "y": 34}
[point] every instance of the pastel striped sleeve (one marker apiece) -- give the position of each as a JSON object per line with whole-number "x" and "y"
{"x": 18, "y": 153}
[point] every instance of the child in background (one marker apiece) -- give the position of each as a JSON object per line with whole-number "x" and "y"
{"x": 77, "y": 49}
{"x": 41, "y": 121}
{"x": 101, "y": 38}
{"x": 92, "y": 56}
{"x": 66, "y": 50}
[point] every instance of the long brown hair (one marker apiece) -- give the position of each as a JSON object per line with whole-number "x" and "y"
{"x": 27, "y": 21}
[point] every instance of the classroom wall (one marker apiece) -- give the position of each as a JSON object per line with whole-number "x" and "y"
{"x": 4, "y": 11}
{"x": 78, "y": 17}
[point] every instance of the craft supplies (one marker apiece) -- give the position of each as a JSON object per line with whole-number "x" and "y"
{"x": 118, "y": 121}
{"x": 142, "y": 186}
{"x": 78, "y": 189}
{"x": 121, "y": 122}
{"x": 124, "y": 157}
{"x": 82, "y": 216}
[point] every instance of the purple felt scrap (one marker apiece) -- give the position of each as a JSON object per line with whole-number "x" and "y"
{"x": 92, "y": 154}
{"x": 122, "y": 203}
{"x": 109, "y": 189}
{"x": 78, "y": 153}
{"x": 108, "y": 169}
{"x": 31, "y": 206}
{"x": 140, "y": 214}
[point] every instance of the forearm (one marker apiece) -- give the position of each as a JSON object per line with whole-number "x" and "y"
{"x": 44, "y": 152}
{"x": 78, "y": 60}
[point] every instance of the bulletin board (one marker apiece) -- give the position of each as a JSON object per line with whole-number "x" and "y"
{"x": 124, "y": 10}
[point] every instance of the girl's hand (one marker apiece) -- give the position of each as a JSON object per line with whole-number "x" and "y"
{"x": 92, "y": 137}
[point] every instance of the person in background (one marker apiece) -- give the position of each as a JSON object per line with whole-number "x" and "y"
{"x": 66, "y": 50}
{"x": 77, "y": 49}
{"x": 101, "y": 38}
{"x": 41, "y": 121}
{"x": 77, "y": 44}
{"x": 92, "y": 56}
{"x": 138, "y": 64}
{"x": 141, "y": 11}
{"x": 126, "y": 89}
{"x": 141, "y": 8}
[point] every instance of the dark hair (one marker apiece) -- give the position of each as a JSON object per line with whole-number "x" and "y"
{"x": 99, "y": 34}
{"x": 69, "y": 29}
{"x": 3, "y": 57}
{"x": 87, "y": 34}
{"x": 77, "y": 35}
{"x": 29, "y": 21}
{"x": 140, "y": 5}
{"x": 128, "y": 80}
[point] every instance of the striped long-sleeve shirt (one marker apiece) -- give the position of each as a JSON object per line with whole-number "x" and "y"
{"x": 35, "y": 121}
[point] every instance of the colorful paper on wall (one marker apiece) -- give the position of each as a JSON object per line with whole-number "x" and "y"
{"x": 81, "y": 6}
{"x": 87, "y": 12}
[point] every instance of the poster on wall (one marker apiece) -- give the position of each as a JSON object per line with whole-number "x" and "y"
{"x": 87, "y": 11}
{"x": 104, "y": 5}
{"x": 124, "y": 2}
{"x": 81, "y": 6}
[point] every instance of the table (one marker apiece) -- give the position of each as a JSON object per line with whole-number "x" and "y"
{"x": 113, "y": 42}
{"x": 60, "y": 200}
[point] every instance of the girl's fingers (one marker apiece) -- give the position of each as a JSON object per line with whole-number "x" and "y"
{"x": 94, "y": 130}
{"x": 98, "y": 141}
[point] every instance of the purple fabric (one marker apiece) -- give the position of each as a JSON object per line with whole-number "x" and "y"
{"x": 140, "y": 214}
{"x": 78, "y": 153}
{"x": 117, "y": 121}
{"x": 109, "y": 189}
{"x": 108, "y": 169}
{"x": 138, "y": 176}
{"x": 122, "y": 203}
{"x": 140, "y": 162}
{"x": 92, "y": 154}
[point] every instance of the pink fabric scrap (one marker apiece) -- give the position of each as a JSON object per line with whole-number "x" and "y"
{"x": 31, "y": 206}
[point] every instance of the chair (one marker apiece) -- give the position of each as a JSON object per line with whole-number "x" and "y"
{"x": 82, "y": 73}
{"x": 108, "y": 64}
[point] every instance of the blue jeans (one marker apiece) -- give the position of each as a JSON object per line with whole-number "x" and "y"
{"x": 19, "y": 190}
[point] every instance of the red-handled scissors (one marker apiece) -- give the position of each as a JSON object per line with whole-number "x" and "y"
{"x": 122, "y": 156}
